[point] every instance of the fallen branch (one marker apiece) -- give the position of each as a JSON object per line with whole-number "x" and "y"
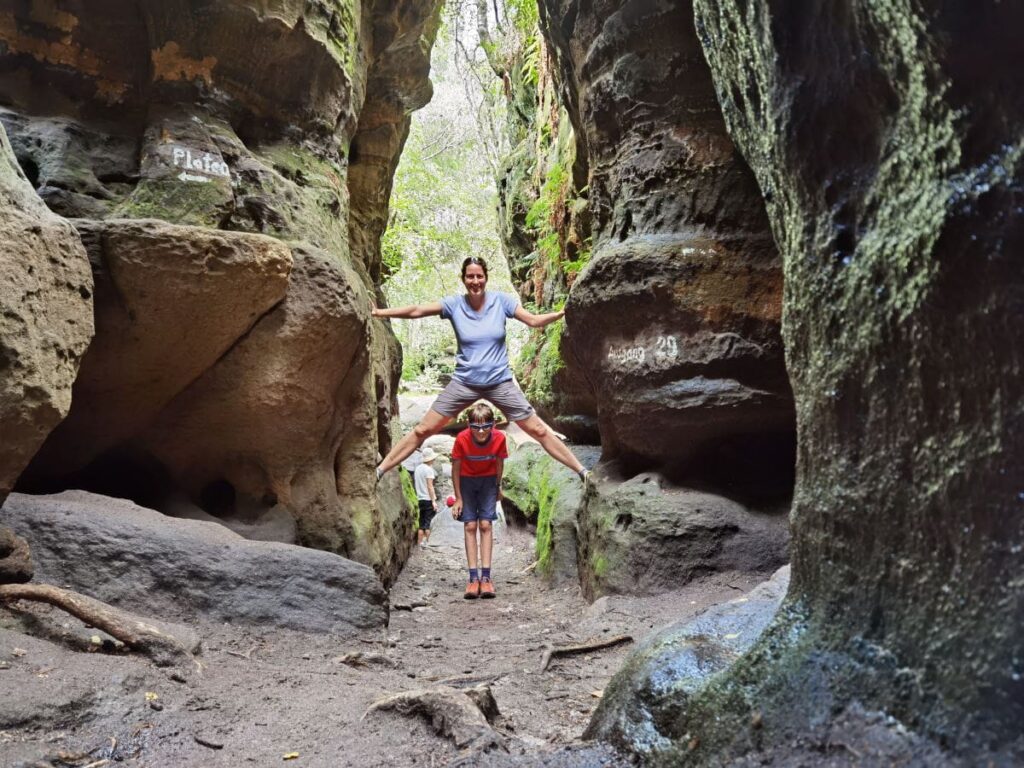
{"x": 164, "y": 649}
{"x": 247, "y": 655}
{"x": 410, "y": 606}
{"x": 463, "y": 716}
{"x": 550, "y": 651}
{"x": 457, "y": 681}
{"x": 362, "y": 659}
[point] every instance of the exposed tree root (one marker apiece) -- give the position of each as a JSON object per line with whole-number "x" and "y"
{"x": 567, "y": 650}
{"x": 463, "y": 716}
{"x": 138, "y": 634}
{"x": 362, "y": 659}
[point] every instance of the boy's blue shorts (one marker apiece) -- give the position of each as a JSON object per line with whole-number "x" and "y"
{"x": 479, "y": 498}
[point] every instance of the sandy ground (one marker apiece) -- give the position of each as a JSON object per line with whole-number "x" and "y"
{"x": 265, "y": 694}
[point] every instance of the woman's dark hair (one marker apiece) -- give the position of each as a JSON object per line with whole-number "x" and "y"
{"x": 478, "y": 260}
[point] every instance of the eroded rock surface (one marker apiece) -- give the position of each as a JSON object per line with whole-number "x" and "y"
{"x": 675, "y": 321}
{"x": 15, "y": 559}
{"x": 550, "y": 497}
{"x": 46, "y": 324}
{"x": 893, "y": 184}
{"x": 645, "y": 536}
{"x": 246, "y": 117}
{"x": 140, "y": 560}
{"x": 641, "y": 703}
{"x": 170, "y": 301}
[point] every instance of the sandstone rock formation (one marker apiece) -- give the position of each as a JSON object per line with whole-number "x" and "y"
{"x": 644, "y": 536}
{"x": 46, "y": 292}
{"x": 15, "y": 560}
{"x": 638, "y": 537}
{"x": 140, "y": 560}
{"x": 893, "y": 186}
{"x": 675, "y": 321}
{"x": 153, "y": 125}
{"x": 550, "y": 497}
{"x": 638, "y": 710}
{"x": 170, "y": 302}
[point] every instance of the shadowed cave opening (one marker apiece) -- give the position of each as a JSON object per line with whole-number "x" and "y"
{"x": 127, "y": 472}
{"x": 756, "y": 470}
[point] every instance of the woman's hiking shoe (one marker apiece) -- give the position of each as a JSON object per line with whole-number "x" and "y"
{"x": 472, "y": 590}
{"x": 487, "y": 589}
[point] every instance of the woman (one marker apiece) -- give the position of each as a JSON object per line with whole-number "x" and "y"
{"x": 481, "y": 365}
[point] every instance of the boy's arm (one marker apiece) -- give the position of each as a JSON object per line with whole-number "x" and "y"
{"x": 457, "y": 484}
{"x": 500, "y": 463}
{"x": 430, "y": 492}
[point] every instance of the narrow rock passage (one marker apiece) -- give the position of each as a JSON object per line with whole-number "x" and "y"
{"x": 503, "y": 640}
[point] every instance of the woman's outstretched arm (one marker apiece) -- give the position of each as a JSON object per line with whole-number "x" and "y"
{"x": 537, "y": 321}
{"x": 410, "y": 312}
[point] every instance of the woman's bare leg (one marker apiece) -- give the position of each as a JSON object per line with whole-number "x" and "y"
{"x": 535, "y": 427}
{"x": 431, "y": 423}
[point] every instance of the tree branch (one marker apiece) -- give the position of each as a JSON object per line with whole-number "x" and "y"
{"x": 164, "y": 649}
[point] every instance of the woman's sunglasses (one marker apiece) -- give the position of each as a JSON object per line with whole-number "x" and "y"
{"x": 486, "y": 425}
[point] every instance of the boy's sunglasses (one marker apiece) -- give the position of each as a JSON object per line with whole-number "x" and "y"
{"x": 486, "y": 425}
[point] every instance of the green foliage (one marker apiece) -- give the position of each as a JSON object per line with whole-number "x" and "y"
{"x": 529, "y": 70}
{"x": 547, "y": 499}
{"x": 541, "y": 359}
{"x": 524, "y": 13}
{"x": 409, "y": 492}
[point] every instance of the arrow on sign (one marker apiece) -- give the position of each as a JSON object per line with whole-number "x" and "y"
{"x": 183, "y": 176}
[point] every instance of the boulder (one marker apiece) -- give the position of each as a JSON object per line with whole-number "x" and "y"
{"x": 142, "y": 561}
{"x": 549, "y": 496}
{"x": 15, "y": 558}
{"x": 286, "y": 417}
{"x": 170, "y": 302}
{"x": 46, "y": 292}
{"x": 641, "y": 703}
{"x": 645, "y": 536}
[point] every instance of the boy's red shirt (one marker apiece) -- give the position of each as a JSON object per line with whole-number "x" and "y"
{"x": 479, "y": 460}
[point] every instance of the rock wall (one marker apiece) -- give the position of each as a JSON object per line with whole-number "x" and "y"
{"x": 892, "y": 179}
{"x": 544, "y": 224}
{"x": 46, "y": 292}
{"x": 228, "y": 166}
{"x": 674, "y": 323}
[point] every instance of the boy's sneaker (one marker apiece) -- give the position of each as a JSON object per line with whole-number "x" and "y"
{"x": 487, "y": 589}
{"x": 472, "y": 590}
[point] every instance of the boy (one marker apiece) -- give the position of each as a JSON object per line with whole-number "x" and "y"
{"x": 478, "y": 459}
{"x": 426, "y": 496}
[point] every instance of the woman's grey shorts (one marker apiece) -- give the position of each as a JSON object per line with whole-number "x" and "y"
{"x": 506, "y": 397}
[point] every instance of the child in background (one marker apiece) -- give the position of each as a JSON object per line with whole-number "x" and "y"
{"x": 478, "y": 460}
{"x": 426, "y": 494}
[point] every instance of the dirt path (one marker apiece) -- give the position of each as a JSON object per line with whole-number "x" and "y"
{"x": 267, "y": 694}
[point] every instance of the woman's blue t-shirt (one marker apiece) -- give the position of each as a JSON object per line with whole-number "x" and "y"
{"x": 482, "y": 359}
